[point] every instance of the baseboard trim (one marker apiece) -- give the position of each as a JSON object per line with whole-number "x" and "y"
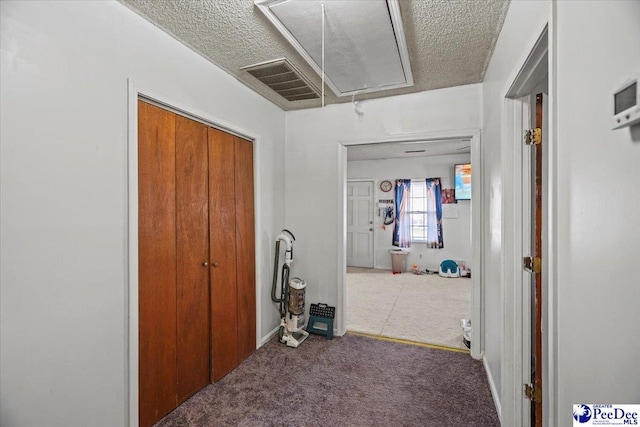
{"x": 270, "y": 335}
{"x": 494, "y": 391}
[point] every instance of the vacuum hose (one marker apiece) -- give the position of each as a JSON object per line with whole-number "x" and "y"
{"x": 275, "y": 273}
{"x": 284, "y": 281}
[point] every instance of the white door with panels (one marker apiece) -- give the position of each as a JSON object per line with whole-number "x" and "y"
{"x": 360, "y": 202}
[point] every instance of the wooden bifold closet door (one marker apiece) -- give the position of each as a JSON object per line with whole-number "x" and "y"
{"x": 192, "y": 222}
{"x": 245, "y": 244}
{"x": 222, "y": 226}
{"x": 196, "y": 257}
{"x": 156, "y": 262}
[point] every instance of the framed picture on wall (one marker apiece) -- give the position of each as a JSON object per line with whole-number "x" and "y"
{"x": 448, "y": 196}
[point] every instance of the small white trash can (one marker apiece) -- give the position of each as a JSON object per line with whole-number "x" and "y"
{"x": 398, "y": 260}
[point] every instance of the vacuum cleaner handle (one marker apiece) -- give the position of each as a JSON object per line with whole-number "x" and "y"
{"x": 290, "y": 233}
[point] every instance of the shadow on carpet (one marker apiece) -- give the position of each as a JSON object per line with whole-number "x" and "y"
{"x": 349, "y": 381}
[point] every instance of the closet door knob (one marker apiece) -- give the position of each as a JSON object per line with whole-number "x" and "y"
{"x": 205, "y": 264}
{"x": 215, "y": 264}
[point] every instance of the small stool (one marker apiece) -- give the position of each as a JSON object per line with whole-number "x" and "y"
{"x": 321, "y": 315}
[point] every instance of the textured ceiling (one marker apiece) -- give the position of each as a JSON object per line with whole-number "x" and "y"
{"x": 450, "y": 42}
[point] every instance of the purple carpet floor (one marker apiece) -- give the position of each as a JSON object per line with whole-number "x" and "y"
{"x": 348, "y": 381}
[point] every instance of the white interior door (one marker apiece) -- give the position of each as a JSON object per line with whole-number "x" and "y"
{"x": 360, "y": 202}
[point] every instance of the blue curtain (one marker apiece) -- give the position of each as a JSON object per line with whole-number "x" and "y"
{"x": 434, "y": 213}
{"x": 402, "y": 228}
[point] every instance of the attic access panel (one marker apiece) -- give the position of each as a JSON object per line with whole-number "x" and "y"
{"x": 365, "y": 48}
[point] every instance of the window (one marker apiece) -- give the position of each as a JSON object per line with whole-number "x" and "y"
{"x": 418, "y": 211}
{"x": 424, "y": 214}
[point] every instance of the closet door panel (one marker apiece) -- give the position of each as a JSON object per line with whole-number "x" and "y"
{"x": 245, "y": 248}
{"x": 157, "y": 263}
{"x": 192, "y": 231}
{"x": 222, "y": 231}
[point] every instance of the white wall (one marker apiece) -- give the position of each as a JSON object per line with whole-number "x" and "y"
{"x": 456, "y": 231}
{"x": 313, "y": 191}
{"x": 594, "y": 294}
{"x": 518, "y": 29}
{"x": 63, "y": 105}
{"x": 597, "y": 287}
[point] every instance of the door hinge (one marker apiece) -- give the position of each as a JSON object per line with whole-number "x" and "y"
{"x": 532, "y": 264}
{"x": 533, "y": 136}
{"x": 533, "y": 393}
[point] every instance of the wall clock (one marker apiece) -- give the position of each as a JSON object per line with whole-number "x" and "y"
{"x": 386, "y": 186}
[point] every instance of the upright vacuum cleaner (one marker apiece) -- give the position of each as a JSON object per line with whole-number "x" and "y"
{"x": 291, "y": 300}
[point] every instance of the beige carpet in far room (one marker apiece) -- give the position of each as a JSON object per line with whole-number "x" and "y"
{"x": 422, "y": 308}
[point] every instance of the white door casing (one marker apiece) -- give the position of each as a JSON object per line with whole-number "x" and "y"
{"x": 533, "y": 66}
{"x": 134, "y": 93}
{"x": 360, "y": 202}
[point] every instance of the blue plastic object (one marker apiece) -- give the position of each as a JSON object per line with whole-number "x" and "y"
{"x": 321, "y": 320}
{"x": 449, "y": 268}
{"x": 320, "y": 326}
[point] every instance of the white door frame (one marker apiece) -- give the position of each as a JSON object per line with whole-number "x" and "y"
{"x": 535, "y": 62}
{"x": 477, "y": 221}
{"x": 136, "y": 92}
{"x": 374, "y": 184}
{"x": 515, "y": 225}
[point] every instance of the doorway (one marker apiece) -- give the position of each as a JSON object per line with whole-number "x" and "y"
{"x": 473, "y": 139}
{"x": 249, "y": 299}
{"x": 418, "y": 306}
{"x": 196, "y": 252}
{"x": 534, "y": 180}
{"x": 360, "y": 206}
{"x": 527, "y": 264}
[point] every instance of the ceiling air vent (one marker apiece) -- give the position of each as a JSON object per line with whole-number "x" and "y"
{"x": 285, "y": 79}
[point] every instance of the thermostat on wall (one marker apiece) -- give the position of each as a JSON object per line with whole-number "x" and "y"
{"x": 626, "y": 104}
